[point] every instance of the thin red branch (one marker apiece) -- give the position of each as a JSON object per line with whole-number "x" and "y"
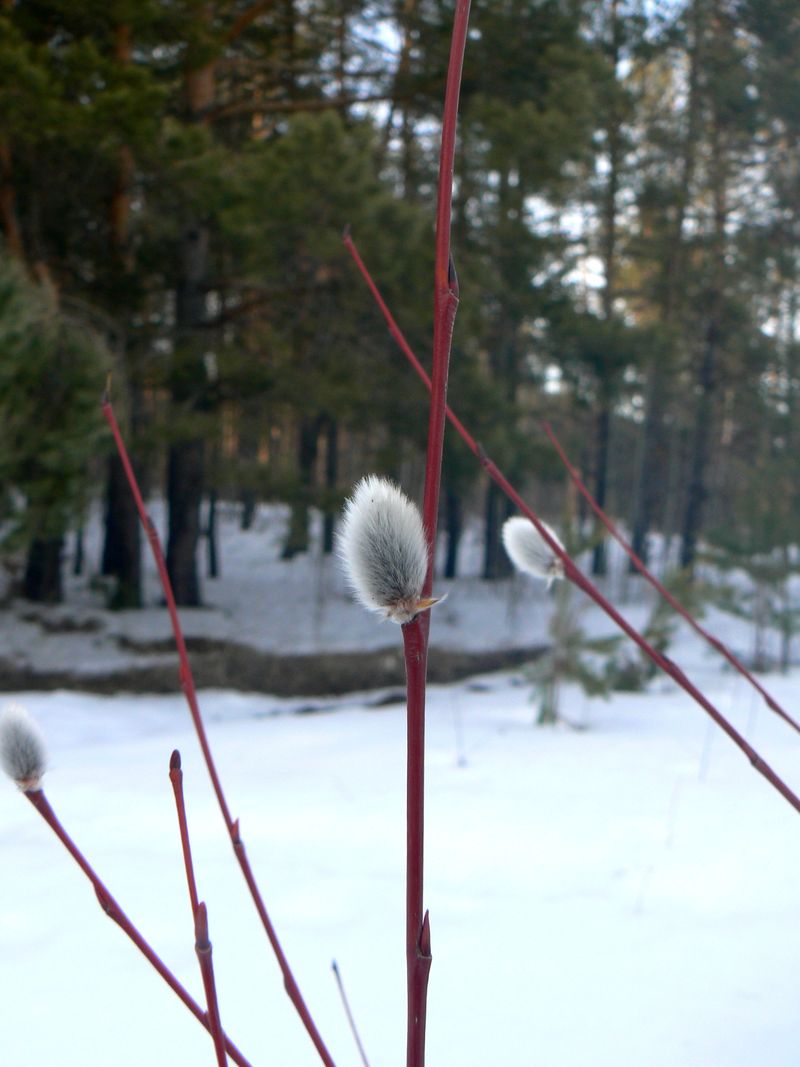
{"x": 199, "y": 914}
{"x": 188, "y": 686}
{"x": 572, "y": 573}
{"x": 176, "y": 777}
{"x": 349, "y": 1014}
{"x": 641, "y": 567}
{"x": 415, "y": 633}
{"x": 202, "y": 947}
{"x": 115, "y": 912}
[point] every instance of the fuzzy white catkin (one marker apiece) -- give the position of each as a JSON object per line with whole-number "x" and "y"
{"x": 22, "y": 748}
{"x": 529, "y": 551}
{"x": 382, "y": 546}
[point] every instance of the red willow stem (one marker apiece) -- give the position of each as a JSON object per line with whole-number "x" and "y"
{"x": 665, "y": 593}
{"x": 199, "y": 913}
{"x": 176, "y": 778}
{"x": 415, "y": 633}
{"x": 188, "y": 686}
{"x": 202, "y": 947}
{"x": 349, "y": 1014}
{"x": 115, "y": 912}
{"x": 583, "y": 583}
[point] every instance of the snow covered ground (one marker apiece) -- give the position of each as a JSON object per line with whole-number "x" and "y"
{"x": 621, "y": 894}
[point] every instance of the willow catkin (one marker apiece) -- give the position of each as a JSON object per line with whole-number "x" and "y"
{"x": 382, "y": 546}
{"x": 22, "y": 748}
{"x": 529, "y": 551}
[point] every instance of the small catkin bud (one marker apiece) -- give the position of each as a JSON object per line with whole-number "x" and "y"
{"x": 22, "y": 749}
{"x": 529, "y": 551}
{"x": 383, "y": 549}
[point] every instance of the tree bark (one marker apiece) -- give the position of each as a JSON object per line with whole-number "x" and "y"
{"x": 184, "y": 496}
{"x": 122, "y": 544}
{"x": 609, "y": 252}
{"x": 331, "y": 480}
{"x": 649, "y": 478}
{"x": 454, "y": 525}
{"x": 495, "y": 561}
{"x": 308, "y": 447}
{"x": 601, "y": 453}
{"x": 122, "y": 540}
{"x": 42, "y": 582}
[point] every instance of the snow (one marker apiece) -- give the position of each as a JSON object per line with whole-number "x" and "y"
{"x": 620, "y": 894}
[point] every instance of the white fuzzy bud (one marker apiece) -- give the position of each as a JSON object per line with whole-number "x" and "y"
{"x": 529, "y": 551}
{"x": 22, "y": 748}
{"x": 383, "y": 549}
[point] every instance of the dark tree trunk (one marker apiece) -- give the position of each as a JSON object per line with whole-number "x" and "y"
{"x": 648, "y": 479}
{"x": 697, "y": 491}
{"x": 652, "y": 475}
{"x": 211, "y": 536}
{"x": 602, "y": 433}
{"x": 331, "y": 479}
{"x": 80, "y": 555}
{"x": 42, "y": 581}
{"x": 122, "y": 545}
{"x": 297, "y": 536}
{"x": 495, "y": 561}
{"x": 186, "y": 466}
{"x": 248, "y": 499}
{"x": 454, "y": 524}
{"x": 184, "y": 495}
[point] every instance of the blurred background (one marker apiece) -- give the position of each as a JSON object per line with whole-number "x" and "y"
{"x": 175, "y": 178}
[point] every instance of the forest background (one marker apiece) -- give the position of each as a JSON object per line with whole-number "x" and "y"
{"x": 175, "y": 178}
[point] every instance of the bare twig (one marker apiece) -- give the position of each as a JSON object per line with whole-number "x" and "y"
{"x": 188, "y": 686}
{"x": 572, "y": 572}
{"x": 176, "y": 777}
{"x": 115, "y": 912}
{"x": 202, "y": 944}
{"x": 415, "y": 633}
{"x": 202, "y": 947}
{"x": 349, "y": 1014}
{"x": 641, "y": 567}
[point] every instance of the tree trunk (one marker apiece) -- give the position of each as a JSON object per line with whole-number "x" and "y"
{"x": 701, "y": 446}
{"x": 211, "y": 536}
{"x": 649, "y": 477}
{"x": 184, "y": 497}
{"x": 42, "y": 582}
{"x": 331, "y": 480}
{"x": 297, "y": 536}
{"x": 495, "y": 561}
{"x": 601, "y": 451}
{"x": 454, "y": 525}
{"x": 122, "y": 544}
{"x": 609, "y": 253}
{"x": 707, "y": 372}
{"x": 186, "y": 458}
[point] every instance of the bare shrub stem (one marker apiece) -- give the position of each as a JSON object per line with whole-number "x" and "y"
{"x": 202, "y": 944}
{"x": 571, "y": 571}
{"x": 188, "y": 686}
{"x": 415, "y": 633}
{"x": 642, "y": 568}
{"x": 115, "y": 912}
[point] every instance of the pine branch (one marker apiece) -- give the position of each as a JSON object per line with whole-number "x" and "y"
{"x": 665, "y": 593}
{"x": 573, "y": 574}
{"x": 190, "y": 693}
{"x": 115, "y": 912}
